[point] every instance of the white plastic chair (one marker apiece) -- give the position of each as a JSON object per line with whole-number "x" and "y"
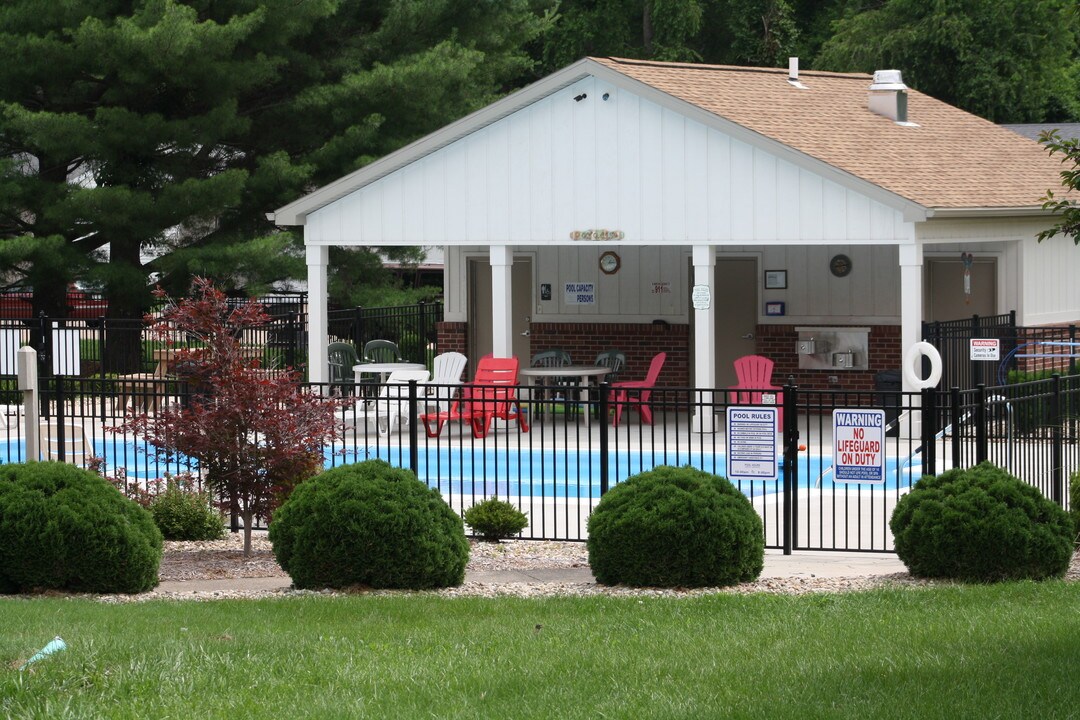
{"x": 449, "y": 367}
{"x": 388, "y": 409}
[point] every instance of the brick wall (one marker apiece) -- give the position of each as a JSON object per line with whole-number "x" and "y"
{"x": 777, "y": 342}
{"x": 640, "y": 342}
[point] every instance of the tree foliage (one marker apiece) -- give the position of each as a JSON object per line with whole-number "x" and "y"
{"x": 1067, "y": 207}
{"x": 255, "y": 434}
{"x": 1004, "y": 60}
{"x": 166, "y": 129}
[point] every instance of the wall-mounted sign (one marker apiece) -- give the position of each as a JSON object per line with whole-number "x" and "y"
{"x": 661, "y": 288}
{"x": 985, "y": 348}
{"x": 859, "y": 446}
{"x": 701, "y": 297}
{"x": 545, "y": 291}
{"x": 774, "y": 308}
{"x": 597, "y": 234}
{"x": 579, "y": 293}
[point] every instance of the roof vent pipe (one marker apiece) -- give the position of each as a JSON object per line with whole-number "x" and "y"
{"x": 793, "y": 73}
{"x": 888, "y": 95}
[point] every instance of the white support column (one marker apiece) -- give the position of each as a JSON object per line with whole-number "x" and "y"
{"x": 705, "y": 336}
{"x": 911, "y": 298}
{"x": 318, "y": 368}
{"x": 502, "y": 327}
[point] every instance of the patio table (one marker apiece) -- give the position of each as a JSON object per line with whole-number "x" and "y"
{"x": 383, "y": 369}
{"x": 582, "y": 372}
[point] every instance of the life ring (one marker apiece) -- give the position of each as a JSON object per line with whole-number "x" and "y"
{"x": 915, "y": 354}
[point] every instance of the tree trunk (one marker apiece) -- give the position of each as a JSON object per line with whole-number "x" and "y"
{"x": 248, "y": 519}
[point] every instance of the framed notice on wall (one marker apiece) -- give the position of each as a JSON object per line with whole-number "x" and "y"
{"x": 776, "y": 279}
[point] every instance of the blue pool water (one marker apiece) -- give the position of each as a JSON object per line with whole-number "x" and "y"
{"x": 536, "y": 474}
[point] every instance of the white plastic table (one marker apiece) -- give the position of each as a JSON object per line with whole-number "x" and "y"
{"x": 583, "y": 372}
{"x": 383, "y": 369}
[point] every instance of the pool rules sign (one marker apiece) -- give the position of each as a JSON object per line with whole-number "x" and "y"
{"x": 859, "y": 446}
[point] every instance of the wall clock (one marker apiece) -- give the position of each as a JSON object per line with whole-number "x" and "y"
{"x": 610, "y": 263}
{"x": 840, "y": 265}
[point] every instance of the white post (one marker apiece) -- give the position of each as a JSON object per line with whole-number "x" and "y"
{"x": 705, "y": 337}
{"x": 502, "y": 326}
{"x": 317, "y": 259}
{"x": 28, "y": 383}
{"x": 911, "y": 315}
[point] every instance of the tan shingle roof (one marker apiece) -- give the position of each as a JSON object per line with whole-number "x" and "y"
{"x": 953, "y": 159}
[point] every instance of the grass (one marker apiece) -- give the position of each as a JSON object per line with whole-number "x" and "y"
{"x": 1000, "y": 651}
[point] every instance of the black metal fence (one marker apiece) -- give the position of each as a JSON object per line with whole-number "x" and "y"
{"x": 106, "y": 347}
{"x": 554, "y": 458}
{"x": 413, "y": 328}
{"x": 1023, "y": 351}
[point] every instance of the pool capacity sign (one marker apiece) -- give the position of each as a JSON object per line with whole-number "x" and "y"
{"x": 751, "y": 435}
{"x": 859, "y": 446}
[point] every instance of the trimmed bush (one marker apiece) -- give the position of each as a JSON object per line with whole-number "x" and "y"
{"x": 64, "y": 528}
{"x": 981, "y": 525}
{"x": 495, "y": 519}
{"x": 183, "y": 514}
{"x": 675, "y": 527}
{"x": 1074, "y": 501}
{"x": 369, "y": 524}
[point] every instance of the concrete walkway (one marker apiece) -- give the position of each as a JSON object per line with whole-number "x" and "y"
{"x": 777, "y": 565}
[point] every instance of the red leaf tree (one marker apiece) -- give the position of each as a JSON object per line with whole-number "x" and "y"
{"x": 255, "y": 434}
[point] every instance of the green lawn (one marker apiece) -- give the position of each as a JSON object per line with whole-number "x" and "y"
{"x": 1007, "y": 651}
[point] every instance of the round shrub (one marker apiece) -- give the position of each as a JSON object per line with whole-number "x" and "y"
{"x": 183, "y": 514}
{"x": 675, "y": 527}
{"x": 981, "y": 525}
{"x": 369, "y": 524}
{"x": 494, "y": 519}
{"x": 64, "y": 528}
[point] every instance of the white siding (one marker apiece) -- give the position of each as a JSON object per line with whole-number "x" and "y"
{"x": 624, "y": 163}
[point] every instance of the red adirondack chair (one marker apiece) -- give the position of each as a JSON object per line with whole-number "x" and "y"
{"x": 635, "y": 394}
{"x": 490, "y": 395}
{"x": 755, "y": 375}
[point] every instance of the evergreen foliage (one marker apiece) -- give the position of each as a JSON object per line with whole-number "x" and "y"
{"x": 64, "y": 528}
{"x": 183, "y": 514}
{"x": 494, "y": 519}
{"x": 675, "y": 527}
{"x": 372, "y": 525}
{"x": 981, "y": 525}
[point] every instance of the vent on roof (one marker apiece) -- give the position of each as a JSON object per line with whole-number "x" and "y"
{"x": 888, "y": 96}
{"x": 793, "y": 73}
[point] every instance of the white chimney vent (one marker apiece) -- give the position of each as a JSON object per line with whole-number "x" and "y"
{"x": 793, "y": 73}
{"x": 888, "y": 96}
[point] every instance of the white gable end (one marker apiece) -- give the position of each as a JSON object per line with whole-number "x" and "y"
{"x": 624, "y": 163}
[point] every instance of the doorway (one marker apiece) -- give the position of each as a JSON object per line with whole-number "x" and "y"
{"x": 946, "y": 297}
{"x": 480, "y": 326}
{"x": 735, "y": 298}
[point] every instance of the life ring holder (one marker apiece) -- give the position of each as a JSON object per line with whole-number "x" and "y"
{"x": 914, "y": 355}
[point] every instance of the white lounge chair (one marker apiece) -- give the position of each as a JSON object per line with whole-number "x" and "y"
{"x": 75, "y": 445}
{"x": 388, "y": 409}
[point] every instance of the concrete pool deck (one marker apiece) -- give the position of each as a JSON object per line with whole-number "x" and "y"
{"x": 777, "y": 565}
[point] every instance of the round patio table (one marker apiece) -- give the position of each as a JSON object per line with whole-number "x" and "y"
{"x": 583, "y": 372}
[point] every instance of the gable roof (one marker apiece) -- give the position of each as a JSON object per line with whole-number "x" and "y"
{"x": 950, "y": 160}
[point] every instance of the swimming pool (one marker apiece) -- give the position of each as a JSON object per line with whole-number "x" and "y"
{"x": 483, "y": 472}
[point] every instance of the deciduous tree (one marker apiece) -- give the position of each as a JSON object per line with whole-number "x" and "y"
{"x": 1067, "y": 207}
{"x": 254, "y": 434}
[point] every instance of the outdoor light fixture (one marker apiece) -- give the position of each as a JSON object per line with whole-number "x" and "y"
{"x": 579, "y": 98}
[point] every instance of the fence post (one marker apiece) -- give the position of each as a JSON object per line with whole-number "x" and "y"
{"x": 976, "y": 365}
{"x": 981, "y": 442}
{"x": 358, "y": 334}
{"x": 954, "y": 414}
{"x": 27, "y": 369}
{"x": 294, "y": 337}
{"x": 791, "y": 463}
{"x": 1057, "y": 471}
{"x": 601, "y": 419}
{"x": 929, "y": 431}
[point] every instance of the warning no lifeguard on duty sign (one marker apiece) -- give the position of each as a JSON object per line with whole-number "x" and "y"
{"x": 859, "y": 446}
